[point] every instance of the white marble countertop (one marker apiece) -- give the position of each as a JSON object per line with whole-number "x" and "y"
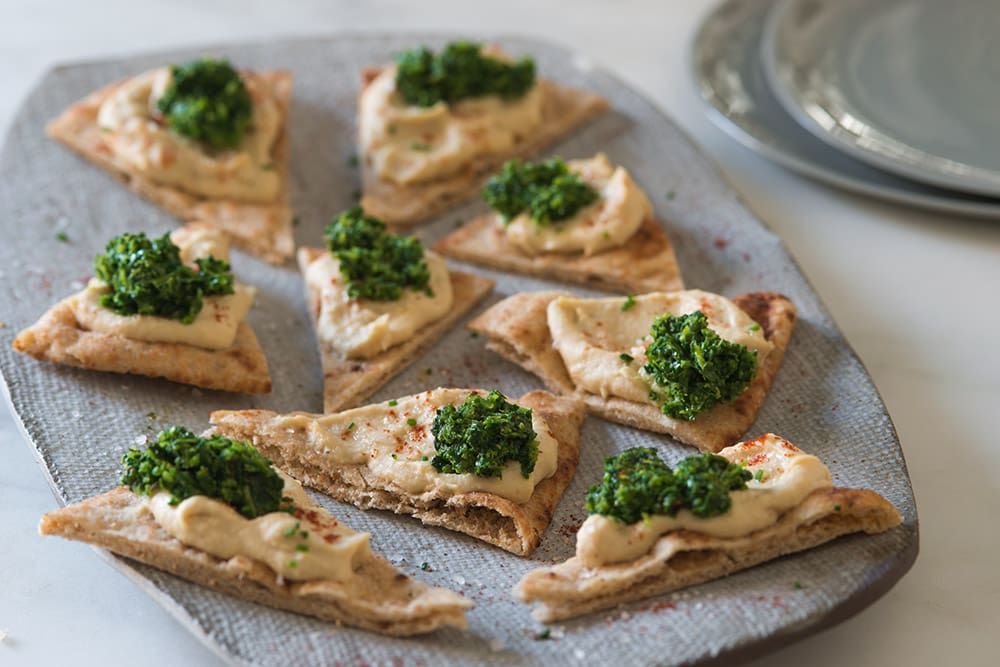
{"x": 915, "y": 293}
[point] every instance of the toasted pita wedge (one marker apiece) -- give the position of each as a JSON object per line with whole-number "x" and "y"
{"x": 264, "y": 230}
{"x": 379, "y": 598}
{"x": 348, "y": 382}
{"x": 517, "y": 329}
{"x": 684, "y": 558}
{"x": 564, "y": 110}
{"x": 494, "y": 519}
{"x": 646, "y": 263}
{"x": 59, "y": 337}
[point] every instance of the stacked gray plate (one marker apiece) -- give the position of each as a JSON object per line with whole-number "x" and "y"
{"x": 893, "y": 99}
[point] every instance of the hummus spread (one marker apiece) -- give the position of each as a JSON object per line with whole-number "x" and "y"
{"x": 787, "y": 477}
{"x": 592, "y": 334}
{"x": 361, "y": 328}
{"x": 396, "y": 444}
{"x": 142, "y": 143}
{"x": 608, "y": 223}
{"x": 411, "y": 144}
{"x": 307, "y": 545}
{"x": 215, "y": 326}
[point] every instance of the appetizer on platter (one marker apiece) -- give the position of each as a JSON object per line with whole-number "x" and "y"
{"x": 585, "y": 221}
{"x": 377, "y": 300}
{"x": 464, "y": 459}
{"x": 433, "y": 126}
{"x": 201, "y": 140}
{"x": 167, "y": 307}
{"x": 653, "y": 529}
{"x": 691, "y": 364}
{"x": 214, "y": 511}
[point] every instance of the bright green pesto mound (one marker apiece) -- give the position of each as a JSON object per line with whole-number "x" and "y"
{"x": 377, "y": 265}
{"x": 482, "y": 435}
{"x": 638, "y": 484}
{"x": 459, "y": 71}
{"x": 207, "y": 101}
{"x": 694, "y": 367}
{"x": 548, "y": 191}
{"x": 184, "y": 465}
{"x": 147, "y": 277}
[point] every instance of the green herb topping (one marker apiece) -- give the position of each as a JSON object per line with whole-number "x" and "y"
{"x": 207, "y": 101}
{"x": 146, "y": 277}
{"x": 627, "y": 358}
{"x": 184, "y": 465}
{"x": 460, "y": 71}
{"x": 548, "y": 190}
{"x": 482, "y": 435}
{"x": 694, "y": 366}
{"x": 376, "y": 264}
{"x": 637, "y": 484}
{"x": 629, "y": 302}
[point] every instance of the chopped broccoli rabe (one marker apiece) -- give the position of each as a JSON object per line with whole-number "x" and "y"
{"x": 482, "y": 435}
{"x": 184, "y": 465}
{"x": 376, "y": 264}
{"x": 207, "y": 101}
{"x": 637, "y": 484}
{"x": 460, "y": 71}
{"x": 694, "y": 366}
{"x": 146, "y": 277}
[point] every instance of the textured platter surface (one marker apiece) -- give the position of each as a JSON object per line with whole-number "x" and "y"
{"x": 81, "y": 422}
{"x": 905, "y": 85}
{"x": 730, "y": 78}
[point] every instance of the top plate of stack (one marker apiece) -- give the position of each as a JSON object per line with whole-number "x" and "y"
{"x": 907, "y": 86}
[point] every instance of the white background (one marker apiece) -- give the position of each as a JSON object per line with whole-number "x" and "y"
{"x": 916, "y": 294}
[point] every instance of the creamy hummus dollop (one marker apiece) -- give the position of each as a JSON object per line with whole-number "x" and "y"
{"x": 409, "y": 144}
{"x": 396, "y": 444}
{"x": 304, "y": 546}
{"x": 142, "y": 143}
{"x": 361, "y": 328}
{"x": 616, "y": 215}
{"x": 592, "y": 334}
{"x": 215, "y": 326}
{"x": 787, "y": 477}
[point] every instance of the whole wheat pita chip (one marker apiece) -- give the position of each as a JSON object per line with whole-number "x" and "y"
{"x": 511, "y": 526}
{"x": 264, "y": 230}
{"x": 348, "y": 382}
{"x": 59, "y": 337}
{"x": 379, "y": 597}
{"x": 646, "y": 263}
{"x": 563, "y": 110}
{"x": 684, "y": 558}
{"x": 517, "y": 329}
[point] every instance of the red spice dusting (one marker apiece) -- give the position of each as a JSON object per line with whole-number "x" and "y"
{"x": 660, "y": 606}
{"x": 330, "y": 538}
{"x": 746, "y": 257}
{"x": 753, "y": 443}
{"x": 756, "y": 460}
{"x": 720, "y": 242}
{"x": 570, "y": 529}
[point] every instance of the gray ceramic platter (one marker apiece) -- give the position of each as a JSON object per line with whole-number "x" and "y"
{"x": 729, "y": 76}
{"x": 81, "y": 422}
{"x": 908, "y": 86}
